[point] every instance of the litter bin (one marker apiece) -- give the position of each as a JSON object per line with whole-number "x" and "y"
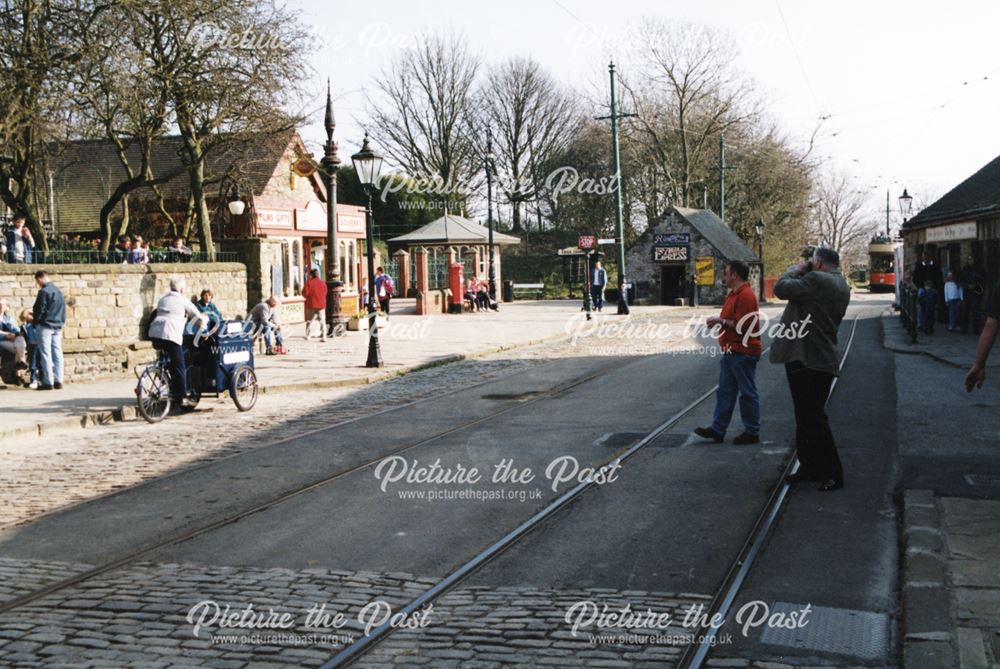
{"x": 508, "y": 291}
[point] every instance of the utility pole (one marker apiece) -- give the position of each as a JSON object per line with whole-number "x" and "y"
{"x": 619, "y": 226}
{"x": 888, "y": 233}
{"x": 722, "y": 178}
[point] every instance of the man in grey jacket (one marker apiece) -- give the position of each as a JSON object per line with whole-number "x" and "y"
{"x": 166, "y": 331}
{"x": 49, "y": 317}
{"x": 817, "y": 297}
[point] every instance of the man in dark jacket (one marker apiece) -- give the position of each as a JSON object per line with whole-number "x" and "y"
{"x": 817, "y": 297}
{"x": 49, "y": 318}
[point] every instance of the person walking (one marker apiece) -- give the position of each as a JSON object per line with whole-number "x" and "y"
{"x": 384, "y": 289}
{"x": 598, "y": 281}
{"x": 953, "y": 298}
{"x": 739, "y": 341}
{"x": 817, "y": 297}
{"x": 49, "y": 317}
{"x": 315, "y": 292}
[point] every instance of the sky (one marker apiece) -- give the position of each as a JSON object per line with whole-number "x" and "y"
{"x": 908, "y": 92}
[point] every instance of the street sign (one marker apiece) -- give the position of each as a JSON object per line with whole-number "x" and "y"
{"x": 587, "y": 242}
{"x": 607, "y": 241}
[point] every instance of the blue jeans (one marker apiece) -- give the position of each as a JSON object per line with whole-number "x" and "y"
{"x": 50, "y": 350}
{"x": 737, "y": 377}
{"x": 954, "y": 309}
{"x": 268, "y": 330}
{"x": 597, "y": 296}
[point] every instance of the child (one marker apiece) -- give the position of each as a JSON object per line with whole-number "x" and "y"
{"x": 927, "y": 298}
{"x": 31, "y": 338}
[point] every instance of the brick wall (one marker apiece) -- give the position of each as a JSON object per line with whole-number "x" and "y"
{"x": 108, "y": 306}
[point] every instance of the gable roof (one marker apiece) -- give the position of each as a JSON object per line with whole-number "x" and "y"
{"x": 974, "y": 197}
{"x": 718, "y": 234}
{"x": 86, "y": 172}
{"x": 452, "y": 229}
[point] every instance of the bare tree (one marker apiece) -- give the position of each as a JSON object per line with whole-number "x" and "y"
{"x": 840, "y": 220}
{"x": 38, "y": 47}
{"x": 229, "y": 68}
{"x": 534, "y": 119}
{"x": 421, "y": 111}
{"x": 686, "y": 92}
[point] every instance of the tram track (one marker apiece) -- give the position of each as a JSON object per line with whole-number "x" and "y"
{"x": 511, "y": 404}
{"x": 720, "y": 603}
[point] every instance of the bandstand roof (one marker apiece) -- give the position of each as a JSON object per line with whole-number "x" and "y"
{"x": 452, "y": 229}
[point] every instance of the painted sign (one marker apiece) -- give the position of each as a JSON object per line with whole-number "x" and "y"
{"x": 704, "y": 267}
{"x": 671, "y": 238}
{"x": 351, "y": 223}
{"x": 313, "y": 217}
{"x": 587, "y": 242}
{"x": 952, "y": 233}
{"x": 670, "y": 253}
{"x": 274, "y": 218}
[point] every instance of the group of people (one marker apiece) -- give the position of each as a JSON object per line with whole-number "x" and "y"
{"x": 133, "y": 250}
{"x": 956, "y": 298}
{"x": 818, "y": 296}
{"x": 35, "y": 339}
{"x": 477, "y": 294}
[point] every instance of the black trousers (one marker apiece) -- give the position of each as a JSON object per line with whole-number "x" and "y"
{"x": 384, "y": 303}
{"x": 814, "y": 443}
{"x": 177, "y": 365}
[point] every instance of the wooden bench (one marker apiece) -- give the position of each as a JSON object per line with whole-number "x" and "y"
{"x": 539, "y": 287}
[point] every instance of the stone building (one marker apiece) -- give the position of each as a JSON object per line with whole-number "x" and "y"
{"x": 962, "y": 225}
{"x": 685, "y": 246}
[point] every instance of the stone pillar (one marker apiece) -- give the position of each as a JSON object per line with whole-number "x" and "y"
{"x": 423, "y": 281}
{"x": 402, "y": 259}
{"x": 452, "y": 255}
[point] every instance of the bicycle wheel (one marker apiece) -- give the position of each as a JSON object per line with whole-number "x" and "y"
{"x": 153, "y": 394}
{"x": 243, "y": 388}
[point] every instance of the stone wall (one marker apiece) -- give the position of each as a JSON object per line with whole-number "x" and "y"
{"x": 108, "y": 306}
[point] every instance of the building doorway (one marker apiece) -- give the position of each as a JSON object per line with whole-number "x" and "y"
{"x": 672, "y": 283}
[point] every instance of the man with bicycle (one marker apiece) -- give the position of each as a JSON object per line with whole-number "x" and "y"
{"x": 166, "y": 331}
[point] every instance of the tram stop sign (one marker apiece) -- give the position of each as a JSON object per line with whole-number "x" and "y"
{"x": 587, "y": 242}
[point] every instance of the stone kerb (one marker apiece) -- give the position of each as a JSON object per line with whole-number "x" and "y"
{"x": 108, "y": 306}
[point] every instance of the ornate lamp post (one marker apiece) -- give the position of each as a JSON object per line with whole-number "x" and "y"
{"x": 334, "y": 286}
{"x": 905, "y": 202}
{"x": 368, "y": 164}
{"x": 236, "y": 207}
{"x": 759, "y": 229}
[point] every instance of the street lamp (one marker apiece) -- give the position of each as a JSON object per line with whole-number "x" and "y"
{"x": 236, "y": 205}
{"x": 334, "y": 287}
{"x": 759, "y": 229}
{"x": 490, "y": 167}
{"x": 905, "y": 202}
{"x": 368, "y": 164}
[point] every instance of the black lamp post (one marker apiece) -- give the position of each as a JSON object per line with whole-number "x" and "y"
{"x": 236, "y": 207}
{"x": 759, "y": 228}
{"x": 905, "y": 202}
{"x": 368, "y": 164}
{"x": 490, "y": 167}
{"x": 334, "y": 286}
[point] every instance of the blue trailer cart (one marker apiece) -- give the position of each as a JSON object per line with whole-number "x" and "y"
{"x": 218, "y": 360}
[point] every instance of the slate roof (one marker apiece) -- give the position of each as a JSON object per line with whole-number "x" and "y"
{"x": 452, "y": 229}
{"x": 86, "y": 172}
{"x": 718, "y": 234}
{"x": 975, "y": 197}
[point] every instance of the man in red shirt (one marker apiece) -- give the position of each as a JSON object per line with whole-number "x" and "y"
{"x": 739, "y": 342}
{"x": 315, "y": 293}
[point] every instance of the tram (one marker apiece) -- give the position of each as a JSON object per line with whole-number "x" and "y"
{"x": 882, "y": 264}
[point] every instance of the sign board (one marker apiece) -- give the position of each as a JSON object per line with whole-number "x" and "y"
{"x": 704, "y": 268}
{"x": 671, "y": 238}
{"x": 670, "y": 253}
{"x": 952, "y": 233}
{"x": 611, "y": 240}
{"x": 274, "y": 218}
{"x": 587, "y": 242}
{"x": 351, "y": 223}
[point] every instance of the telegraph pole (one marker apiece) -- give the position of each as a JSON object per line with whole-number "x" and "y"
{"x": 619, "y": 225}
{"x": 722, "y": 178}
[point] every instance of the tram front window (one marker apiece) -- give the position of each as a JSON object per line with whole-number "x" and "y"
{"x": 881, "y": 263}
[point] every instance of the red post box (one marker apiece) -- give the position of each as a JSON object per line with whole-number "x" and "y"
{"x": 455, "y": 284}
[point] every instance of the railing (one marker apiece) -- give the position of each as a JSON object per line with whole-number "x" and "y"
{"x": 93, "y": 257}
{"x": 908, "y": 311}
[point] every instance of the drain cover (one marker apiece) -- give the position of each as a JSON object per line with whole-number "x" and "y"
{"x": 513, "y": 396}
{"x": 860, "y": 634}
